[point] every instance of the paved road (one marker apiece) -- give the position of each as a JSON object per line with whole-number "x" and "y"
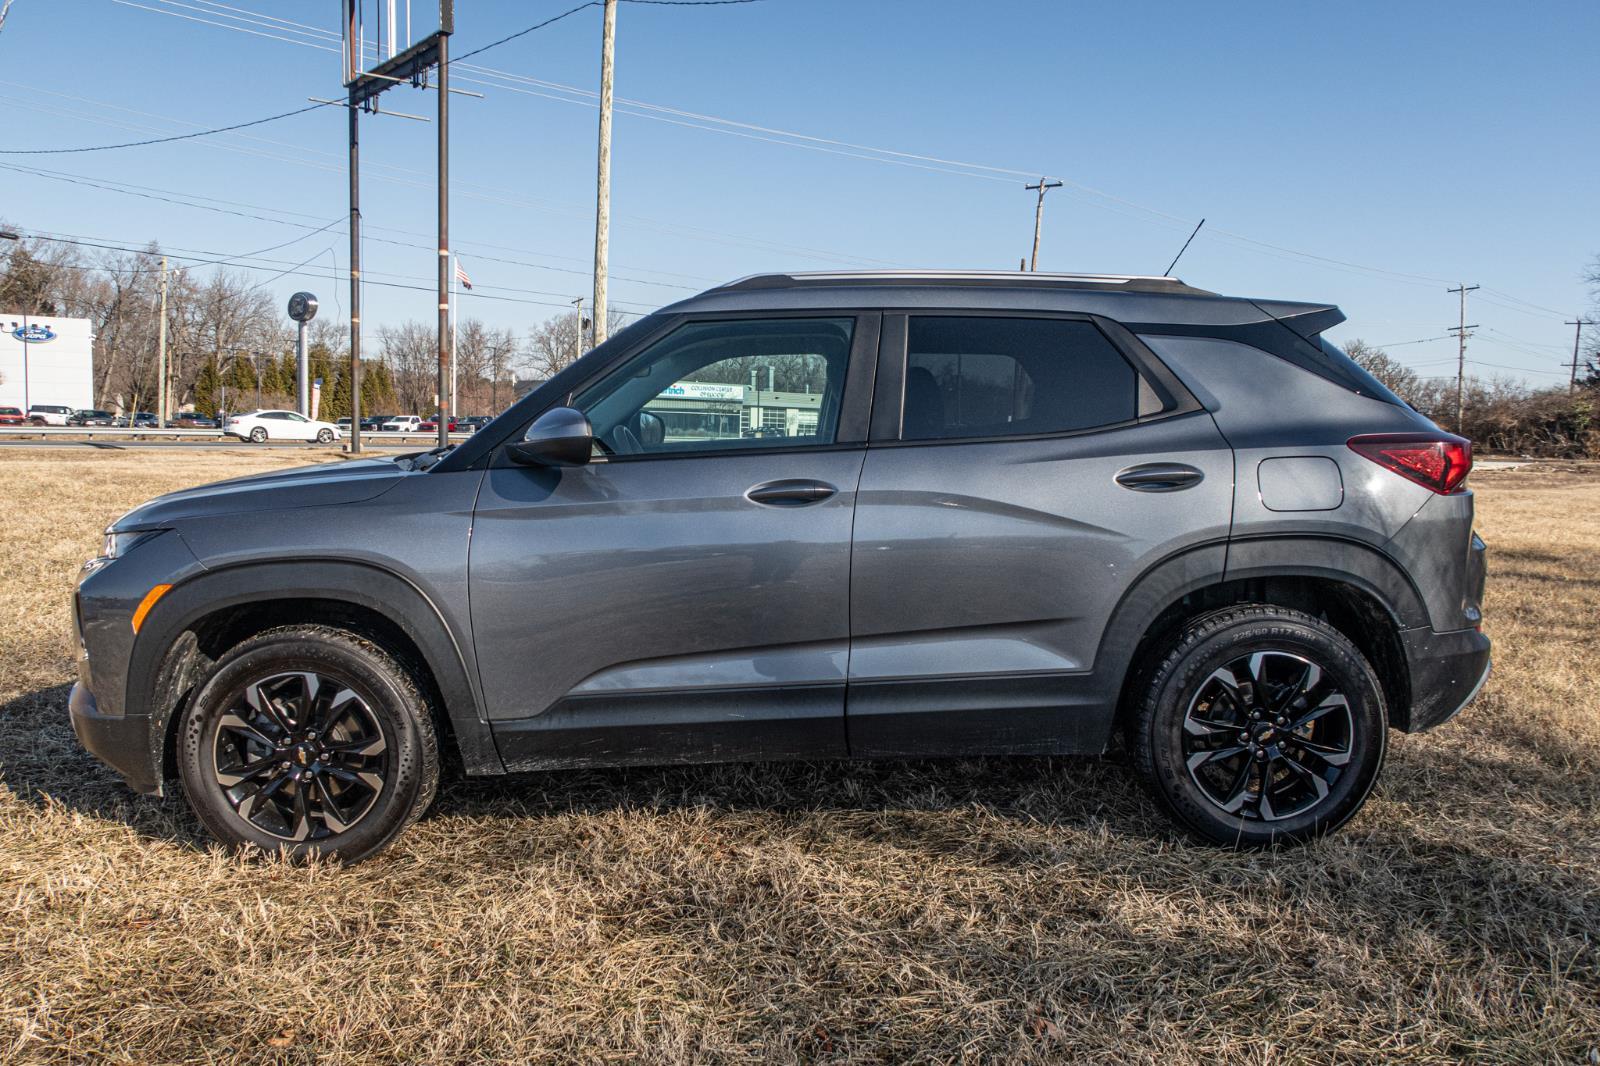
{"x": 207, "y": 445}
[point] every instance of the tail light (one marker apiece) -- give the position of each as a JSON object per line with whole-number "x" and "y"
{"x": 1437, "y": 461}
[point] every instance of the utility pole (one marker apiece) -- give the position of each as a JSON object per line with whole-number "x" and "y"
{"x": 602, "y": 209}
{"x": 1038, "y": 216}
{"x": 161, "y": 354}
{"x": 577, "y": 342}
{"x": 1577, "y": 338}
{"x": 1461, "y": 333}
{"x": 446, "y": 355}
{"x": 355, "y": 277}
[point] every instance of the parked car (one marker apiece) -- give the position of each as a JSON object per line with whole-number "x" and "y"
{"x": 92, "y": 418}
{"x": 49, "y": 414}
{"x": 431, "y": 425}
{"x": 403, "y": 424}
{"x": 12, "y": 416}
{"x": 260, "y": 426}
{"x": 373, "y": 423}
{"x": 472, "y": 423}
{"x": 192, "y": 420}
{"x": 1017, "y": 514}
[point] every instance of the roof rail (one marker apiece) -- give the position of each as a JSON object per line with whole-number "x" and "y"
{"x": 1020, "y": 278}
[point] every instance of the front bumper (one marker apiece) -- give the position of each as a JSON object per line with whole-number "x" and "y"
{"x": 1447, "y": 672}
{"x": 120, "y": 741}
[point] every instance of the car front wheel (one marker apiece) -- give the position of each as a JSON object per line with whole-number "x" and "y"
{"x": 324, "y": 436}
{"x": 1260, "y": 726}
{"x": 308, "y": 740}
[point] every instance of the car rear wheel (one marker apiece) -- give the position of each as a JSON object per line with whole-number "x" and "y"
{"x": 308, "y": 740}
{"x": 1261, "y": 726}
{"x": 324, "y": 436}
{"x": 258, "y": 435}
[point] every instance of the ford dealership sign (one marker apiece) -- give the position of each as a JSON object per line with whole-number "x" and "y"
{"x": 33, "y": 333}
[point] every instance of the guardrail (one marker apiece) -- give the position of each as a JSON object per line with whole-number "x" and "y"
{"x": 214, "y": 434}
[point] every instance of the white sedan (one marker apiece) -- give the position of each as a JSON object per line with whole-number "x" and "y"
{"x": 260, "y": 426}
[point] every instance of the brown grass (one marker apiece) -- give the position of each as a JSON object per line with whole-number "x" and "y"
{"x": 987, "y": 909}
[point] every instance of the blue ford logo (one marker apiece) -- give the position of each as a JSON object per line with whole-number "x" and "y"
{"x": 34, "y": 334}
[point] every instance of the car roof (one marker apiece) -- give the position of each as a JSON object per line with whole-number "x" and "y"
{"x": 1127, "y": 298}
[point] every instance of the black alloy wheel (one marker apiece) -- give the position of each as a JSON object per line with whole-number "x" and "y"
{"x": 1260, "y": 725}
{"x": 300, "y": 756}
{"x": 1267, "y": 735}
{"x": 308, "y": 740}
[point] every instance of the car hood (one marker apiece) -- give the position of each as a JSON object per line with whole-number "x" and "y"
{"x": 323, "y": 485}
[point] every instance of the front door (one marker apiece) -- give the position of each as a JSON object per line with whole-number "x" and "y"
{"x": 684, "y": 596}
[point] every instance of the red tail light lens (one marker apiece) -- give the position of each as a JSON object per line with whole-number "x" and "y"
{"x": 1439, "y": 461}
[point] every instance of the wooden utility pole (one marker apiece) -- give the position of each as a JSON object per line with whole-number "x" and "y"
{"x": 1038, "y": 216}
{"x": 602, "y": 209}
{"x": 1577, "y": 339}
{"x": 161, "y": 355}
{"x": 1461, "y": 333}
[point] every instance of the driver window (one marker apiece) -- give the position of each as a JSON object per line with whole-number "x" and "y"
{"x": 725, "y": 386}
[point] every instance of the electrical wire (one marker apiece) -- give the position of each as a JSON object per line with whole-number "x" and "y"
{"x": 165, "y": 140}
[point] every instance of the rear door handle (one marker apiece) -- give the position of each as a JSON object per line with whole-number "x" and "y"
{"x": 1159, "y": 477}
{"x": 790, "y": 492}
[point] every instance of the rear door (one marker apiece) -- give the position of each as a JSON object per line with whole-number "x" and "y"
{"x": 684, "y": 596}
{"x": 1024, "y": 470}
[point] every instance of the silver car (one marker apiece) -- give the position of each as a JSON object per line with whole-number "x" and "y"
{"x": 827, "y": 516}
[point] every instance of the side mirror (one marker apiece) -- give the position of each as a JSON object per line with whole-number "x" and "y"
{"x": 652, "y": 431}
{"x": 559, "y": 437}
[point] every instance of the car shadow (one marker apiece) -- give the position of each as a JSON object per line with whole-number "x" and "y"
{"x": 42, "y": 763}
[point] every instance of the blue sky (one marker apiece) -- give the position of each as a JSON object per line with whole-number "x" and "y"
{"x": 1377, "y": 152}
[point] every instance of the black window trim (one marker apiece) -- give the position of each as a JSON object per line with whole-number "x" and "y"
{"x": 855, "y": 403}
{"x": 888, "y": 412}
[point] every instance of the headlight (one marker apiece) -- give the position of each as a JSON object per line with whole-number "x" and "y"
{"x": 119, "y": 544}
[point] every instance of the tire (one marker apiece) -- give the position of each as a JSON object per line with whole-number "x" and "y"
{"x": 324, "y": 436}
{"x": 341, "y": 780}
{"x": 1249, "y": 709}
{"x": 258, "y": 435}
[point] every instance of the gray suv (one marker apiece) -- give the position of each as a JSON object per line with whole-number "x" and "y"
{"x": 819, "y": 516}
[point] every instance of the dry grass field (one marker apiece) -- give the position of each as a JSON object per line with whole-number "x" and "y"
{"x": 985, "y": 910}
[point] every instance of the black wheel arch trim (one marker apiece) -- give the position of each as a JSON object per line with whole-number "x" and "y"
{"x": 1197, "y": 567}
{"x": 154, "y": 682}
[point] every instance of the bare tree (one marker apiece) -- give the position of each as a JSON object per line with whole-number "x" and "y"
{"x": 411, "y": 352}
{"x": 555, "y": 344}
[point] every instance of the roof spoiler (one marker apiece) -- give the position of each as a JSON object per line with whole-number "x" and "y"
{"x": 1306, "y": 320}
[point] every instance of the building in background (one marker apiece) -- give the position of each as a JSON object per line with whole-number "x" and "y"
{"x": 46, "y": 360}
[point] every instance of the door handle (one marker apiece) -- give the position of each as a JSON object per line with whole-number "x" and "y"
{"x": 790, "y": 492}
{"x": 1159, "y": 477}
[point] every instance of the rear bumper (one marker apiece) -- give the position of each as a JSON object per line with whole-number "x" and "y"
{"x": 1447, "y": 671}
{"x": 120, "y": 741}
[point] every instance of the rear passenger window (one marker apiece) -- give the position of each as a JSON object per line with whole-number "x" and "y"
{"x": 1008, "y": 377}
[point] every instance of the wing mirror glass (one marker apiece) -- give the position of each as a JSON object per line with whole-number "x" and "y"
{"x": 561, "y": 436}
{"x": 652, "y": 430}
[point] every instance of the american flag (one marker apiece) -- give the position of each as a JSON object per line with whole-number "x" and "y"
{"x": 461, "y": 276}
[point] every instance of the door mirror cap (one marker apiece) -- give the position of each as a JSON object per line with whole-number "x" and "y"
{"x": 561, "y": 436}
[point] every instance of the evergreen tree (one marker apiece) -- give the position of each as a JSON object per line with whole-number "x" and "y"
{"x": 207, "y": 385}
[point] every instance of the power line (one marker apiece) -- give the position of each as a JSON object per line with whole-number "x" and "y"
{"x": 145, "y": 192}
{"x": 162, "y": 140}
{"x": 888, "y": 155}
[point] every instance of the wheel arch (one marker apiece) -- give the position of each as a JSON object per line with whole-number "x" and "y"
{"x": 1358, "y": 589}
{"x": 198, "y": 620}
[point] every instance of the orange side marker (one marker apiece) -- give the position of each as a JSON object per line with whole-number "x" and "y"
{"x": 148, "y": 602}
